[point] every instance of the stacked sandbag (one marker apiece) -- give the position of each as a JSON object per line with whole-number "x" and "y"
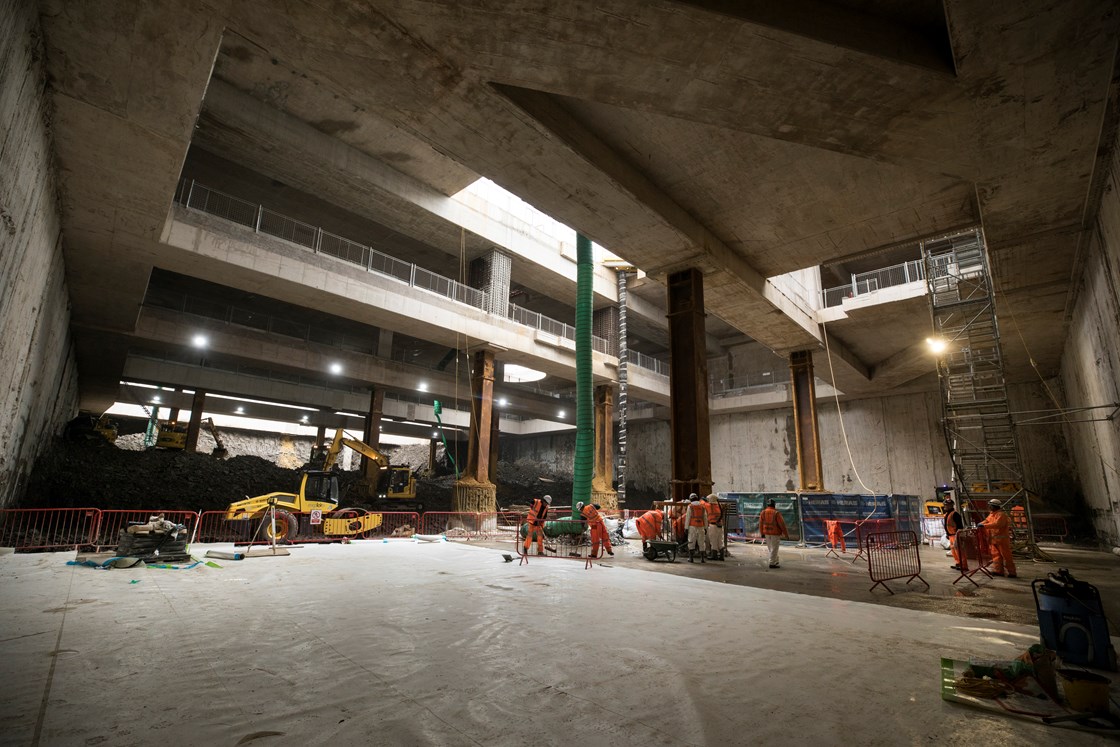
{"x": 159, "y": 540}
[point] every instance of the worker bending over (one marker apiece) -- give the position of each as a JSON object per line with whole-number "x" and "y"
{"x": 537, "y": 514}
{"x": 998, "y": 526}
{"x": 696, "y": 516}
{"x": 772, "y": 527}
{"x": 715, "y": 528}
{"x": 594, "y": 519}
{"x": 649, "y": 526}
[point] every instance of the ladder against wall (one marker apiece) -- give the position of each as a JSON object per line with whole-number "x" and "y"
{"x": 976, "y": 417}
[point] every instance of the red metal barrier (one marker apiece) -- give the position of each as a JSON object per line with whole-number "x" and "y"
{"x": 213, "y": 526}
{"x": 454, "y": 525}
{"x": 29, "y": 529}
{"x": 974, "y": 553}
{"x": 892, "y": 555}
{"x": 106, "y": 534}
{"x": 573, "y": 545}
{"x": 499, "y": 525}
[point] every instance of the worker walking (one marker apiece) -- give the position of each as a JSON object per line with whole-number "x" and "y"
{"x": 537, "y": 514}
{"x": 772, "y": 527}
{"x": 696, "y": 516}
{"x": 594, "y": 519}
{"x": 715, "y": 528}
{"x": 998, "y": 527}
{"x": 953, "y": 524}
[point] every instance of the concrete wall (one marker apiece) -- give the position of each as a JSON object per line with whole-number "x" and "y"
{"x": 37, "y": 372}
{"x": 1090, "y": 369}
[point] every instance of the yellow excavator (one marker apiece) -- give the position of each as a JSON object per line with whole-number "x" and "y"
{"x": 318, "y": 491}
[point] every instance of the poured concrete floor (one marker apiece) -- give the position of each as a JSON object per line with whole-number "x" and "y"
{"x": 446, "y": 644}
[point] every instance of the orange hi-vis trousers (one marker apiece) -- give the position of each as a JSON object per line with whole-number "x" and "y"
{"x": 599, "y": 536}
{"x": 538, "y": 532}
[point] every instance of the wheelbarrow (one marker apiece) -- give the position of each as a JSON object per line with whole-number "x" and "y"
{"x": 653, "y": 549}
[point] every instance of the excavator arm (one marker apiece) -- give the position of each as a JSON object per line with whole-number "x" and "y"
{"x": 341, "y": 439}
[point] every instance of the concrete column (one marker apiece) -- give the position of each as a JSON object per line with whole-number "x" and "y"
{"x": 195, "y": 423}
{"x": 602, "y": 488}
{"x": 805, "y": 421}
{"x": 371, "y": 433}
{"x": 385, "y": 343}
{"x": 688, "y": 386}
{"x": 320, "y": 437}
{"x": 474, "y": 491}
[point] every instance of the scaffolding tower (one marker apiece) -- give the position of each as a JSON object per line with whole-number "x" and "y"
{"x": 975, "y": 415}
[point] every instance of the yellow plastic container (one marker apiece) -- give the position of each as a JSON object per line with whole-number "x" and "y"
{"x": 1085, "y": 691}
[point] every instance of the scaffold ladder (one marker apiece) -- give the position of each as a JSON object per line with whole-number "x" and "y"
{"x": 976, "y": 417}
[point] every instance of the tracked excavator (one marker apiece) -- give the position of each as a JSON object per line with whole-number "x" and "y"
{"x": 393, "y": 490}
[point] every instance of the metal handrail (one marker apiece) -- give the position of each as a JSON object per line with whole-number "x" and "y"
{"x": 196, "y": 196}
{"x": 869, "y": 282}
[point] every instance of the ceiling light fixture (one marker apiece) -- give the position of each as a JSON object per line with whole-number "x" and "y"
{"x": 502, "y": 402}
{"x": 937, "y": 345}
{"x": 422, "y": 386}
{"x": 336, "y": 368}
{"x": 200, "y": 341}
{"x": 561, "y": 414}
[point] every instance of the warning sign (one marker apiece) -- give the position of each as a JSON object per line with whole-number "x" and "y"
{"x": 316, "y": 517}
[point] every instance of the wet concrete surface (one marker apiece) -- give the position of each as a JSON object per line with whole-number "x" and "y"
{"x": 811, "y": 571}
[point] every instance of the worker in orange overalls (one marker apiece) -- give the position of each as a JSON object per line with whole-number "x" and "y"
{"x": 836, "y": 535}
{"x": 998, "y": 526}
{"x": 696, "y": 517}
{"x": 594, "y": 519}
{"x": 715, "y": 528}
{"x": 537, "y": 513}
{"x": 772, "y": 527}
{"x": 649, "y": 525}
{"x": 953, "y": 524}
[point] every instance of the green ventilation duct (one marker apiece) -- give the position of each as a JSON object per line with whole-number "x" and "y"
{"x": 585, "y": 405}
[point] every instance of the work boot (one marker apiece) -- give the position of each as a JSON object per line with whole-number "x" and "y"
{"x": 690, "y": 560}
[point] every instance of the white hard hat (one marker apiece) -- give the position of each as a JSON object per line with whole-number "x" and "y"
{"x": 579, "y": 505}
{"x": 548, "y": 499}
{"x": 693, "y": 496}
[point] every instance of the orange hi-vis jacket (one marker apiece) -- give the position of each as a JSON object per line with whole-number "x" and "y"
{"x": 538, "y": 512}
{"x": 590, "y": 513}
{"x": 715, "y": 513}
{"x": 697, "y": 515}
{"x": 998, "y": 524}
{"x": 950, "y": 523}
{"x": 770, "y": 522}
{"x": 649, "y": 524}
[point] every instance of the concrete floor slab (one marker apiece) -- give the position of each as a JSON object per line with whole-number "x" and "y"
{"x": 446, "y": 644}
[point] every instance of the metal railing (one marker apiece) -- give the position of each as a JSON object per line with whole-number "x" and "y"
{"x": 869, "y": 282}
{"x": 262, "y": 220}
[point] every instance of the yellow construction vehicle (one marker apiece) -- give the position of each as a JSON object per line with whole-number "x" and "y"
{"x": 171, "y": 435}
{"x": 318, "y": 491}
{"x": 220, "y": 451}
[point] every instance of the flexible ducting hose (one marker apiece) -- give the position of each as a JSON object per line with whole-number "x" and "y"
{"x": 585, "y": 406}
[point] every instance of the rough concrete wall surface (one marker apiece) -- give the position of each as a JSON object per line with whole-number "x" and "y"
{"x": 1048, "y": 465}
{"x": 36, "y": 357}
{"x": 555, "y": 451}
{"x": 896, "y": 447}
{"x": 1090, "y": 369}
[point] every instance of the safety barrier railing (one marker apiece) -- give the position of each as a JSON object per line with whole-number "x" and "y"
{"x": 868, "y": 282}
{"x": 48, "y": 528}
{"x": 106, "y": 533}
{"x": 971, "y": 551}
{"x": 454, "y": 525}
{"x": 893, "y": 555}
{"x": 1052, "y": 528}
{"x": 564, "y": 538}
{"x": 499, "y": 525}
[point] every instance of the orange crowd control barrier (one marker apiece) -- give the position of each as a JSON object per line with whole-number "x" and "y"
{"x": 893, "y": 555}
{"x": 111, "y": 521}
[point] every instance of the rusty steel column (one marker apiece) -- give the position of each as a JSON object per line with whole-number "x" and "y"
{"x": 371, "y": 433}
{"x": 688, "y": 386}
{"x": 195, "y": 423}
{"x": 804, "y": 390}
{"x": 474, "y": 492}
{"x": 432, "y": 443}
{"x": 495, "y": 424}
{"x": 602, "y": 487}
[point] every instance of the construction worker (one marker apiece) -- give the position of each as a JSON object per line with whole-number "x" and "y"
{"x": 772, "y": 527}
{"x": 649, "y": 525}
{"x": 537, "y": 514}
{"x": 953, "y": 524}
{"x": 594, "y": 519}
{"x": 715, "y": 528}
{"x": 697, "y": 520}
{"x": 998, "y": 527}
